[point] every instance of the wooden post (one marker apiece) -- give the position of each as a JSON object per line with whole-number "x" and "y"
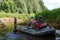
{"x": 15, "y": 23}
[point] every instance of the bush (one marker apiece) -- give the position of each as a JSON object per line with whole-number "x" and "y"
{"x": 50, "y": 16}
{"x": 58, "y": 19}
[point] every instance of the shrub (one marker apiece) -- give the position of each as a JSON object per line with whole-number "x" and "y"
{"x": 50, "y": 16}
{"x": 58, "y": 19}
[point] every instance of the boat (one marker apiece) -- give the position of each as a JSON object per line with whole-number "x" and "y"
{"x": 47, "y": 31}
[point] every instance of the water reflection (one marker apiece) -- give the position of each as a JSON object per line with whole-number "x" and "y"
{"x": 29, "y": 37}
{"x": 42, "y": 38}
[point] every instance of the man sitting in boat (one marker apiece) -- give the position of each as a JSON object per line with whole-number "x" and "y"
{"x": 40, "y": 23}
{"x": 32, "y": 22}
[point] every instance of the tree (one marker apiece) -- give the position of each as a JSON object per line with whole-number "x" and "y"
{"x": 22, "y": 6}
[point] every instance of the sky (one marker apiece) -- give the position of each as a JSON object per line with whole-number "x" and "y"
{"x": 52, "y": 4}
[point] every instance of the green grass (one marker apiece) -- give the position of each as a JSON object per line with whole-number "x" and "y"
{"x": 11, "y": 15}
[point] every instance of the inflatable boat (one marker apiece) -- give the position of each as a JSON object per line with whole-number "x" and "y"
{"x": 47, "y": 31}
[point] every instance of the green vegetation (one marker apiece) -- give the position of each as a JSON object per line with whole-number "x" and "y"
{"x": 22, "y": 6}
{"x": 12, "y": 15}
{"x": 50, "y": 15}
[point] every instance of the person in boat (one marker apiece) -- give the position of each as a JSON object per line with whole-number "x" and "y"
{"x": 32, "y": 22}
{"x": 40, "y": 23}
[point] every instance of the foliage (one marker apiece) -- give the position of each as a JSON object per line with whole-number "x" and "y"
{"x": 50, "y": 15}
{"x": 22, "y": 6}
{"x": 58, "y": 19}
{"x": 12, "y": 15}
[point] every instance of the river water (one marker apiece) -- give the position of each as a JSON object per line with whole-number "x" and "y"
{"x": 27, "y": 37}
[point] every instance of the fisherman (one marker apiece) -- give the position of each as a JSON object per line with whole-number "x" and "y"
{"x": 32, "y": 22}
{"x": 40, "y": 23}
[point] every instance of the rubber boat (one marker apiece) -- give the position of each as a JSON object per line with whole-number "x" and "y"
{"x": 47, "y": 31}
